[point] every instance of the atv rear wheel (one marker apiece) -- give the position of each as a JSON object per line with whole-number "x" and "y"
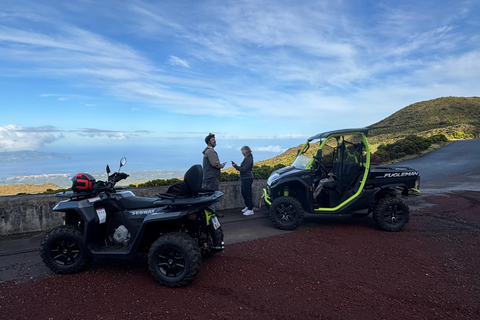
{"x": 63, "y": 250}
{"x": 174, "y": 259}
{"x": 286, "y": 213}
{"x": 391, "y": 214}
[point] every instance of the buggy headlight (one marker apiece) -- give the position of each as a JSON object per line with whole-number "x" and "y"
{"x": 273, "y": 179}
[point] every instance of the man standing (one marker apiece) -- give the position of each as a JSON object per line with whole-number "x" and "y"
{"x": 211, "y": 163}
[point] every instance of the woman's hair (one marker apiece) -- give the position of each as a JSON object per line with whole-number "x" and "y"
{"x": 246, "y": 148}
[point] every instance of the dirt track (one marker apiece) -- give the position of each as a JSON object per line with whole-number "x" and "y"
{"x": 342, "y": 269}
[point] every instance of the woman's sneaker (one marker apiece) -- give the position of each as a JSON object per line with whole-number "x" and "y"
{"x": 245, "y": 209}
{"x": 248, "y": 213}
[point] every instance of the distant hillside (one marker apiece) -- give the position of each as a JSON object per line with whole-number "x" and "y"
{"x": 443, "y": 115}
{"x": 26, "y": 189}
{"x": 426, "y": 118}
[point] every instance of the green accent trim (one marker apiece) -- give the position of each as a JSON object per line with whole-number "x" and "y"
{"x": 365, "y": 174}
{"x": 267, "y": 198}
{"x": 414, "y": 190}
{"x": 209, "y": 214}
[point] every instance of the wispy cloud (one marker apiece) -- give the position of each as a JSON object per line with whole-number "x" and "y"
{"x": 117, "y": 135}
{"x": 279, "y": 61}
{"x": 274, "y": 149}
{"x": 18, "y": 138}
{"x": 176, "y": 61}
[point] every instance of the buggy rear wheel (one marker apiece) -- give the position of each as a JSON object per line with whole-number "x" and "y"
{"x": 174, "y": 259}
{"x": 286, "y": 213}
{"x": 391, "y": 214}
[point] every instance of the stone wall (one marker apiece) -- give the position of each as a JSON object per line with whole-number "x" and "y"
{"x": 33, "y": 213}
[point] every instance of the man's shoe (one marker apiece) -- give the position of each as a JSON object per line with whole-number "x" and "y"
{"x": 248, "y": 213}
{"x": 245, "y": 209}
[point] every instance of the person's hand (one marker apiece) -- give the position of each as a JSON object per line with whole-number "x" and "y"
{"x": 223, "y": 164}
{"x": 233, "y": 164}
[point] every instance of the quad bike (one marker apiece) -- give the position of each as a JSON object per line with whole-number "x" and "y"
{"x": 335, "y": 176}
{"x": 175, "y": 230}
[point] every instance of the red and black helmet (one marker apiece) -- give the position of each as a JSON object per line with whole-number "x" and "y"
{"x": 82, "y": 182}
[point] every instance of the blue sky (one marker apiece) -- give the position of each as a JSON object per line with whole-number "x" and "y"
{"x": 87, "y": 73}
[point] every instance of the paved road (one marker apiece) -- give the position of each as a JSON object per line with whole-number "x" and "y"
{"x": 455, "y": 167}
{"x": 458, "y": 158}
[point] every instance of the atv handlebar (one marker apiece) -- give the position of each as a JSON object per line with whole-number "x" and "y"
{"x": 112, "y": 181}
{"x": 117, "y": 176}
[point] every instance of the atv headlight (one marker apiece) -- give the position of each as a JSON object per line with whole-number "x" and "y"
{"x": 273, "y": 179}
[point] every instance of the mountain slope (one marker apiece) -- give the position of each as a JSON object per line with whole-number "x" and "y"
{"x": 443, "y": 115}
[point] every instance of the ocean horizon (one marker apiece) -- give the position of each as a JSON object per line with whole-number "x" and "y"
{"x": 144, "y": 163}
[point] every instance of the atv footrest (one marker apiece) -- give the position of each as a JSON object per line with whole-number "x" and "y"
{"x": 113, "y": 248}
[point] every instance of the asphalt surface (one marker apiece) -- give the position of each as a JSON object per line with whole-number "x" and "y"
{"x": 457, "y": 159}
{"x": 455, "y": 167}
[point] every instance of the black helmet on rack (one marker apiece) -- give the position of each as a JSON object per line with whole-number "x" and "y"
{"x": 82, "y": 182}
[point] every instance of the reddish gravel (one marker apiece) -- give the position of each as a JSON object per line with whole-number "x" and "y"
{"x": 344, "y": 270}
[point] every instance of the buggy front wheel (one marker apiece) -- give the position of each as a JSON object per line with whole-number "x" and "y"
{"x": 286, "y": 213}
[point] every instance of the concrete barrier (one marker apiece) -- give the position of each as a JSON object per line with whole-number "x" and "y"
{"x": 33, "y": 213}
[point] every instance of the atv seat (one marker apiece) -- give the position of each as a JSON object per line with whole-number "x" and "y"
{"x": 194, "y": 178}
{"x": 188, "y": 188}
{"x": 132, "y": 203}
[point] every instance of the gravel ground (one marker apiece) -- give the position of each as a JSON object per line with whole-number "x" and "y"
{"x": 344, "y": 269}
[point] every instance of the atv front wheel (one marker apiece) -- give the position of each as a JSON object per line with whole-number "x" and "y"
{"x": 63, "y": 250}
{"x": 286, "y": 213}
{"x": 174, "y": 259}
{"x": 391, "y": 214}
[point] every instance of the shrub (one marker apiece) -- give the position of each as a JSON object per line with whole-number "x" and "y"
{"x": 408, "y": 146}
{"x": 458, "y": 135}
{"x": 155, "y": 183}
{"x": 438, "y": 138}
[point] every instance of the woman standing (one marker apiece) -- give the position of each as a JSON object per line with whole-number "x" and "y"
{"x": 246, "y": 176}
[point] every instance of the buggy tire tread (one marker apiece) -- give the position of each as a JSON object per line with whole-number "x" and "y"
{"x": 290, "y": 209}
{"x": 382, "y": 214}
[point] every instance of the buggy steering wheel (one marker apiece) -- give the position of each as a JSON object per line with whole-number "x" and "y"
{"x": 320, "y": 167}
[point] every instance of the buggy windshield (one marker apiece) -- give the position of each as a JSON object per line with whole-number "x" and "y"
{"x": 301, "y": 162}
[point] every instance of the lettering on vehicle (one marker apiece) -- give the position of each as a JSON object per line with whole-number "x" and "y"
{"x": 398, "y": 175}
{"x": 140, "y": 212}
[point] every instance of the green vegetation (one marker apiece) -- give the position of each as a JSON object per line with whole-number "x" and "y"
{"x": 259, "y": 173}
{"x": 155, "y": 183}
{"x": 410, "y": 145}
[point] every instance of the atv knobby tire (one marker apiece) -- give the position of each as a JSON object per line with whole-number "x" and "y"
{"x": 286, "y": 213}
{"x": 174, "y": 259}
{"x": 62, "y": 250}
{"x": 391, "y": 214}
